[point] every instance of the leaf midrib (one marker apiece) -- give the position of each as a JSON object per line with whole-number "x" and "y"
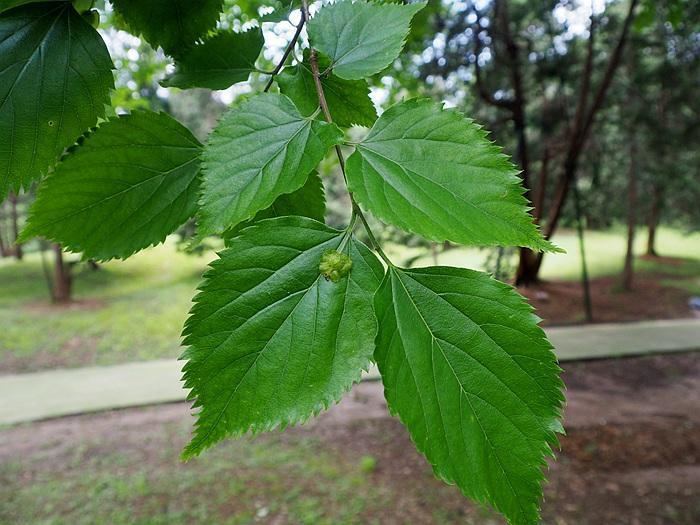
{"x": 463, "y": 392}
{"x": 260, "y": 352}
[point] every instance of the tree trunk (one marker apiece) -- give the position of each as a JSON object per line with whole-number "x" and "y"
{"x": 653, "y": 220}
{"x": 585, "y": 282}
{"x": 530, "y": 264}
{"x": 3, "y": 248}
{"x": 528, "y": 270}
{"x": 62, "y": 281}
{"x": 14, "y": 218}
{"x": 628, "y": 271}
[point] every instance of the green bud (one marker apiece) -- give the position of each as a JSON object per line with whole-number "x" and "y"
{"x": 334, "y": 265}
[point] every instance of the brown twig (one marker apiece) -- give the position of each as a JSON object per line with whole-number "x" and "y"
{"x": 286, "y": 54}
{"x": 323, "y": 103}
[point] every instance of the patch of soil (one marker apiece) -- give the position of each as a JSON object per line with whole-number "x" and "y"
{"x": 631, "y": 454}
{"x": 615, "y": 375}
{"x": 631, "y": 447}
{"x": 561, "y": 302}
{"x": 77, "y": 349}
{"x": 72, "y": 305}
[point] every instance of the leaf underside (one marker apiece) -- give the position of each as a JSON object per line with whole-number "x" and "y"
{"x": 219, "y": 62}
{"x": 55, "y": 78}
{"x": 270, "y": 341}
{"x": 433, "y": 172}
{"x": 474, "y": 379}
{"x": 348, "y": 100}
{"x": 361, "y": 38}
{"x": 131, "y": 182}
{"x": 260, "y": 150}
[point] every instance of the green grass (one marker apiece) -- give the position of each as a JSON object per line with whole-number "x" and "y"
{"x": 134, "y": 310}
{"x": 128, "y": 310}
{"x": 605, "y": 252}
{"x": 124, "y": 469}
{"x": 243, "y": 482}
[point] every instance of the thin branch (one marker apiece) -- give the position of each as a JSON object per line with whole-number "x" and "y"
{"x": 579, "y": 118}
{"x": 541, "y": 185}
{"x": 610, "y": 70}
{"x": 287, "y": 52}
{"x": 580, "y": 136}
{"x": 484, "y": 93}
{"x": 356, "y": 211}
{"x": 518, "y": 103}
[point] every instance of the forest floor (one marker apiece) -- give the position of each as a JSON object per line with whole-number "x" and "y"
{"x": 631, "y": 456}
{"x": 661, "y": 290}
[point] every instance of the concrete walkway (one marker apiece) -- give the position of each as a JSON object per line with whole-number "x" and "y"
{"x": 29, "y": 397}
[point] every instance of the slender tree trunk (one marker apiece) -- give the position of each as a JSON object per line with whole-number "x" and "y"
{"x": 653, "y": 219}
{"x": 45, "y": 266}
{"x": 585, "y": 282}
{"x": 628, "y": 270}
{"x": 3, "y": 247}
{"x": 62, "y": 281}
{"x": 14, "y": 218}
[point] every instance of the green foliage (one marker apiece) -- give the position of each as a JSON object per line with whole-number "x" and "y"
{"x": 348, "y": 100}
{"x": 286, "y": 318}
{"x": 6, "y": 5}
{"x": 130, "y": 183}
{"x": 270, "y": 340}
{"x": 361, "y": 38}
{"x": 261, "y": 149}
{"x": 307, "y": 201}
{"x": 433, "y": 172}
{"x": 55, "y": 77}
{"x": 174, "y": 25}
{"x": 220, "y": 61}
{"x": 474, "y": 380}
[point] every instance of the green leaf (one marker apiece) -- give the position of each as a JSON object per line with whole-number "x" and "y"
{"x": 307, "y": 201}
{"x": 348, "y": 100}
{"x": 174, "y": 25}
{"x": 130, "y": 183}
{"x": 260, "y": 150}
{"x": 474, "y": 379}
{"x": 361, "y": 38}
{"x": 6, "y": 5}
{"x": 55, "y": 77}
{"x": 272, "y": 342}
{"x": 434, "y": 172}
{"x": 218, "y": 62}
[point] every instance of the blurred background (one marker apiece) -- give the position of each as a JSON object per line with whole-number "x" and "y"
{"x": 595, "y": 101}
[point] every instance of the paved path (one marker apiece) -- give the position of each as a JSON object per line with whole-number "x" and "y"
{"x": 29, "y": 397}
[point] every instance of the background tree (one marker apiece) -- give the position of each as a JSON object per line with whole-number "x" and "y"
{"x": 542, "y": 74}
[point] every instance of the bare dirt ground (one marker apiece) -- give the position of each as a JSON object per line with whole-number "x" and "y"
{"x": 631, "y": 456}
{"x": 653, "y": 297}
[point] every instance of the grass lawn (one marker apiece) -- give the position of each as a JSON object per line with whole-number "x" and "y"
{"x": 134, "y": 310}
{"x": 126, "y": 311}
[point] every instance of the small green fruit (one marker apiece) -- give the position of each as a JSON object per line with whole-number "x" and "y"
{"x": 334, "y": 265}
